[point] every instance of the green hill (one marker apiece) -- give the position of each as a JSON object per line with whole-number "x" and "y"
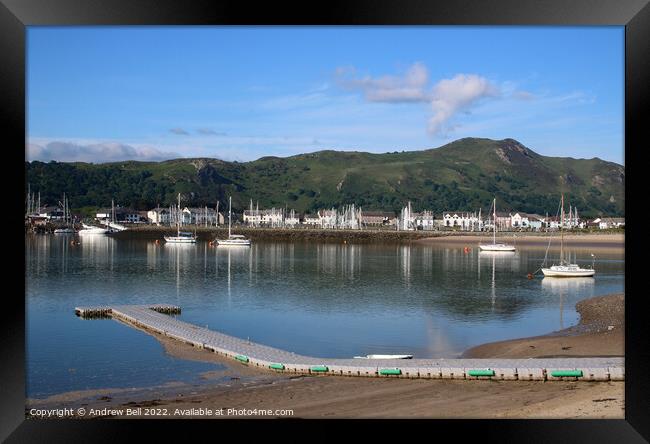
{"x": 463, "y": 175}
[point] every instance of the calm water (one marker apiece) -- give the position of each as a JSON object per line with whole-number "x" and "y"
{"x": 329, "y": 300}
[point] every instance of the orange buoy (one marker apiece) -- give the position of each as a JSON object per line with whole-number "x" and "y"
{"x": 157, "y": 241}
{"x": 530, "y": 275}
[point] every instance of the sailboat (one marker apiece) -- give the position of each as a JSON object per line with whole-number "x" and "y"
{"x": 566, "y": 269}
{"x": 90, "y": 229}
{"x": 112, "y": 225}
{"x": 182, "y": 237}
{"x": 66, "y": 217}
{"x": 494, "y": 246}
{"x": 233, "y": 239}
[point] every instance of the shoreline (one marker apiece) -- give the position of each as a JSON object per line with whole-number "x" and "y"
{"x": 242, "y": 387}
{"x": 605, "y": 239}
{"x": 599, "y": 333}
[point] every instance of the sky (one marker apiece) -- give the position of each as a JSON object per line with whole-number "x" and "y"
{"x": 103, "y": 94}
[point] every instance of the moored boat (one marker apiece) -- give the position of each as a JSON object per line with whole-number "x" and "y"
{"x": 182, "y": 237}
{"x": 234, "y": 240}
{"x": 566, "y": 269}
{"x": 494, "y": 246}
{"x": 89, "y": 229}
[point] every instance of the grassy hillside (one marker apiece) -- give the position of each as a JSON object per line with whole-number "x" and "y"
{"x": 463, "y": 175}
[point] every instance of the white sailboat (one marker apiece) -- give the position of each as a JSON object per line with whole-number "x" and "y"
{"x": 182, "y": 237}
{"x": 90, "y": 229}
{"x": 494, "y": 246}
{"x": 233, "y": 239}
{"x": 112, "y": 224}
{"x": 66, "y": 217}
{"x": 566, "y": 269}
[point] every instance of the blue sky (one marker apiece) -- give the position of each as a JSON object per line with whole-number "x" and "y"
{"x": 239, "y": 93}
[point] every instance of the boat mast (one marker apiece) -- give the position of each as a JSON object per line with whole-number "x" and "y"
{"x": 562, "y": 233}
{"x": 229, "y": 214}
{"x": 178, "y": 217}
{"x": 494, "y": 205}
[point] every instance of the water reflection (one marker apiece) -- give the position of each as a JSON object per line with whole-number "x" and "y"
{"x": 180, "y": 258}
{"x": 562, "y": 287}
{"x": 558, "y": 285}
{"x": 319, "y": 299}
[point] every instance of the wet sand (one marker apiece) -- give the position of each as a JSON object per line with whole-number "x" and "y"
{"x": 241, "y": 387}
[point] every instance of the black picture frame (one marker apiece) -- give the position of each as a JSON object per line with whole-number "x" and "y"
{"x": 15, "y": 15}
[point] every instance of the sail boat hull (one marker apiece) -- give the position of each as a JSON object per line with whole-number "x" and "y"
{"x": 496, "y": 247}
{"x": 180, "y": 240}
{"x": 568, "y": 271}
{"x": 234, "y": 242}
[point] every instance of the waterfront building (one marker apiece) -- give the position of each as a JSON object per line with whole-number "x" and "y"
{"x": 377, "y": 218}
{"x": 610, "y": 222}
{"x": 311, "y": 219}
{"x": 464, "y": 221}
{"x": 51, "y": 213}
{"x": 122, "y": 215}
{"x": 519, "y": 220}
{"x": 158, "y": 216}
{"x": 425, "y": 221}
{"x": 292, "y": 219}
{"x": 201, "y": 216}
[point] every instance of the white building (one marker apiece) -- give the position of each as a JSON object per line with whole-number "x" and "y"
{"x": 519, "y": 220}
{"x": 201, "y": 216}
{"x": 536, "y": 222}
{"x": 158, "y": 216}
{"x": 462, "y": 220}
{"x": 425, "y": 221}
{"x": 610, "y": 222}
{"x": 292, "y": 219}
{"x": 272, "y": 218}
{"x": 311, "y": 219}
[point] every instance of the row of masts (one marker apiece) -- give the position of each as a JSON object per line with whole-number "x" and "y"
{"x": 33, "y": 204}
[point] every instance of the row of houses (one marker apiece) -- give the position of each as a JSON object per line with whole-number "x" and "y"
{"x": 347, "y": 217}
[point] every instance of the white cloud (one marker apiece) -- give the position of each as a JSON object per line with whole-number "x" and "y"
{"x": 102, "y": 152}
{"x": 447, "y": 97}
{"x": 408, "y": 88}
{"x": 451, "y": 96}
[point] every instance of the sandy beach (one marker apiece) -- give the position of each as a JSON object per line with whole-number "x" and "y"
{"x": 248, "y": 391}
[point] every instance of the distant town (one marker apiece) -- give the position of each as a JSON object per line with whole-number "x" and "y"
{"x": 350, "y": 217}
